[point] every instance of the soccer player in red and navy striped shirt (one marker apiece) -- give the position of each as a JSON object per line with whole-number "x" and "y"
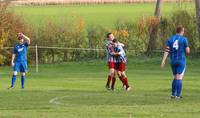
{"x": 111, "y": 62}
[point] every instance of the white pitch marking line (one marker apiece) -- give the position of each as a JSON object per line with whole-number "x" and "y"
{"x": 55, "y": 100}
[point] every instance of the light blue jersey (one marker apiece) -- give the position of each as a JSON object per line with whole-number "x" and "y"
{"x": 122, "y": 56}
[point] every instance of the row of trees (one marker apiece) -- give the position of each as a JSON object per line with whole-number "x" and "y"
{"x": 142, "y": 37}
{"x": 197, "y": 5}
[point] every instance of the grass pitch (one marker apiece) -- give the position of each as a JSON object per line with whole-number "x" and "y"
{"x": 76, "y": 90}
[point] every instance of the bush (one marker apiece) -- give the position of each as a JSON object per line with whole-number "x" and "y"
{"x": 129, "y": 33}
{"x": 71, "y": 34}
{"x": 159, "y": 30}
{"x": 10, "y": 25}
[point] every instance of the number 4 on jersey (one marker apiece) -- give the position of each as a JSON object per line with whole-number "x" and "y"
{"x": 175, "y": 45}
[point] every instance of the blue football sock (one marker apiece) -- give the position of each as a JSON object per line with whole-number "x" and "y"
{"x": 22, "y": 81}
{"x": 13, "y": 80}
{"x": 179, "y": 87}
{"x": 174, "y": 87}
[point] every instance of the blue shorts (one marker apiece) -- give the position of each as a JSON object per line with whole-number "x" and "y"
{"x": 20, "y": 66}
{"x": 178, "y": 67}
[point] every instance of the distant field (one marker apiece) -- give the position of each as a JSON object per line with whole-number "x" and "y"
{"x": 105, "y": 15}
{"x": 44, "y": 2}
{"x": 76, "y": 90}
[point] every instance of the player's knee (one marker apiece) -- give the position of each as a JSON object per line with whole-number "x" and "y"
{"x": 23, "y": 74}
{"x": 15, "y": 73}
{"x": 179, "y": 77}
{"x": 112, "y": 71}
{"x": 119, "y": 74}
{"x": 124, "y": 74}
{"x": 112, "y": 74}
{"x": 115, "y": 74}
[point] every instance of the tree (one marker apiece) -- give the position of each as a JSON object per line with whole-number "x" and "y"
{"x": 10, "y": 25}
{"x": 197, "y": 4}
{"x": 153, "y": 29}
{"x": 157, "y": 10}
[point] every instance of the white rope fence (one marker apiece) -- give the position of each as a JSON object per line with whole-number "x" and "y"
{"x": 36, "y": 48}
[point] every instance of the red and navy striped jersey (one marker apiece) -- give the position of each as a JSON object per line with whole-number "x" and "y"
{"x": 110, "y": 49}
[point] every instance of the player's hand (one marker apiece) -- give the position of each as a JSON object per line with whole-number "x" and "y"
{"x": 113, "y": 53}
{"x": 162, "y": 65}
{"x": 20, "y": 34}
{"x": 12, "y": 64}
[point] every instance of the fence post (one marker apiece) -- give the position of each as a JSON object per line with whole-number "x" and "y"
{"x": 36, "y": 57}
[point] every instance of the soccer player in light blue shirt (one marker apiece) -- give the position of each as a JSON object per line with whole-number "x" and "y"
{"x": 120, "y": 65}
{"x": 19, "y": 59}
{"x": 177, "y": 47}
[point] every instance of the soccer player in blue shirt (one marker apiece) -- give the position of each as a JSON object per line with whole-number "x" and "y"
{"x": 177, "y": 47}
{"x": 19, "y": 59}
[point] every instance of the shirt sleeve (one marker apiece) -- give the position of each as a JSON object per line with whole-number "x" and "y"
{"x": 186, "y": 43}
{"x": 167, "y": 43}
{"x": 120, "y": 50}
{"x": 109, "y": 48}
{"x": 14, "y": 50}
{"x": 26, "y": 44}
{"x": 121, "y": 44}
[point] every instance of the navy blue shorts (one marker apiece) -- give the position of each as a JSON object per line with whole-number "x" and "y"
{"x": 20, "y": 67}
{"x": 178, "y": 67}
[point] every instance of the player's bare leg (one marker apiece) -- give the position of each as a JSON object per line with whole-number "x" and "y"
{"x": 110, "y": 76}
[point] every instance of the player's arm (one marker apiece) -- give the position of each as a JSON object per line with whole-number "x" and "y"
{"x": 118, "y": 53}
{"x": 110, "y": 49}
{"x": 26, "y": 38}
{"x": 187, "y": 50}
{"x": 121, "y": 44}
{"x": 166, "y": 52}
{"x": 13, "y": 59}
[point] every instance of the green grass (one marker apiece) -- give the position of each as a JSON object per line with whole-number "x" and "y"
{"x": 105, "y": 15}
{"x": 81, "y": 88}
